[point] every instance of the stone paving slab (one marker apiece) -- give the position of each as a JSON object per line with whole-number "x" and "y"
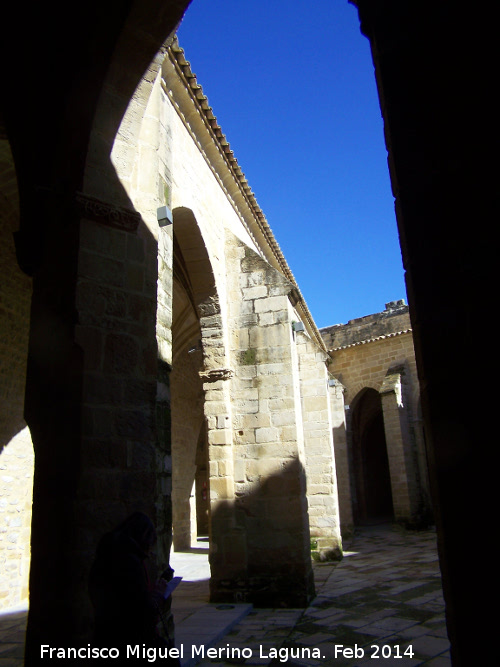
{"x": 384, "y": 597}
{"x": 383, "y": 602}
{"x": 205, "y": 627}
{"x": 12, "y": 631}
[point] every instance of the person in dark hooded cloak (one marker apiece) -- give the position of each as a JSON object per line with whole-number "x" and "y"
{"x": 127, "y": 608}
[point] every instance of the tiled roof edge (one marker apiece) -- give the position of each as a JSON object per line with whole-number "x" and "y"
{"x": 370, "y": 340}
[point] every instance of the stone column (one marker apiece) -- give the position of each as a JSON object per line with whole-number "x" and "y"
{"x": 54, "y": 380}
{"x": 399, "y": 450}
{"x": 417, "y": 428}
{"x": 228, "y": 553}
{"x": 163, "y": 393}
{"x": 90, "y": 405}
{"x": 337, "y": 407}
{"x": 322, "y": 496}
{"x": 271, "y": 530}
{"x": 187, "y": 422}
{"x": 16, "y": 448}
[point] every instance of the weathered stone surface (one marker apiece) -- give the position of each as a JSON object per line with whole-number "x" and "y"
{"x": 376, "y": 353}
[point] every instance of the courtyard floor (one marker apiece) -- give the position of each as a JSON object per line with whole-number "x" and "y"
{"x": 381, "y": 605}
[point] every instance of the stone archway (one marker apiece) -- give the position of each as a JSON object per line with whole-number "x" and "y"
{"x": 193, "y": 288}
{"x": 440, "y": 185}
{"x": 372, "y": 482}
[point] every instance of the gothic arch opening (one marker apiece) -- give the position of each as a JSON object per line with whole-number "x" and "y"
{"x": 193, "y": 286}
{"x": 372, "y": 482}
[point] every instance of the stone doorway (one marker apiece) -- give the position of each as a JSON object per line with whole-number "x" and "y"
{"x": 372, "y": 482}
{"x": 190, "y": 480}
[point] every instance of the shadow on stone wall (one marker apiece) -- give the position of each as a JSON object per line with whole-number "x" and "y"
{"x": 260, "y": 545}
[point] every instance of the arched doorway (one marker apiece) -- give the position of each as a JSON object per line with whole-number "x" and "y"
{"x": 193, "y": 282}
{"x": 372, "y": 482}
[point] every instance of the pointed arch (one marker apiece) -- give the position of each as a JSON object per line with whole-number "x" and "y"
{"x": 370, "y": 463}
{"x": 195, "y": 318}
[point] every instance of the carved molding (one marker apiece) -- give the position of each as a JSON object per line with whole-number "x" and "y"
{"x": 106, "y": 213}
{"x": 392, "y": 383}
{"x": 216, "y": 374}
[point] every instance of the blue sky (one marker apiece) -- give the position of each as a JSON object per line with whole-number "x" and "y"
{"x": 293, "y": 88}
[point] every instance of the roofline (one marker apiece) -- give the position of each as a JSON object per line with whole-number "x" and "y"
{"x": 371, "y": 340}
{"x": 240, "y": 193}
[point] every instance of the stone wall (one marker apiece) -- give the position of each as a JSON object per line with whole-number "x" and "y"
{"x": 376, "y": 352}
{"x": 366, "y": 364}
{"x": 263, "y": 554}
{"x": 439, "y": 185}
{"x": 16, "y": 484}
{"x": 187, "y": 421}
{"x": 322, "y": 496}
{"x": 393, "y": 319}
{"x": 16, "y": 448}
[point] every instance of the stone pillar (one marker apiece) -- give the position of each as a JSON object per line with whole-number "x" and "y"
{"x": 16, "y": 448}
{"x": 187, "y": 422}
{"x": 271, "y": 531}
{"x": 16, "y": 482}
{"x": 337, "y": 407}
{"x": 399, "y": 449}
{"x": 423, "y": 471}
{"x": 164, "y": 465}
{"x": 90, "y": 405}
{"x": 53, "y": 411}
{"x": 227, "y": 551}
{"x": 228, "y": 554}
{"x": 163, "y": 393}
{"x": 322, "y": 496}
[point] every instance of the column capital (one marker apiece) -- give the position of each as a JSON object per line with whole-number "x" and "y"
{"x": 216, "y": 374}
